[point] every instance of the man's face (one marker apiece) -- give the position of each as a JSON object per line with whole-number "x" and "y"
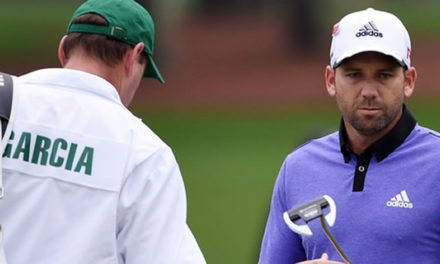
{"x": 370, "y": 89}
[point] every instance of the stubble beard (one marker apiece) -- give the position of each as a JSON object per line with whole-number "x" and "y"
{"x": 372, "y": 125}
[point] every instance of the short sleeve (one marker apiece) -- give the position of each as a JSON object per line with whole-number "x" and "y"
{"x": 280, "y": 245}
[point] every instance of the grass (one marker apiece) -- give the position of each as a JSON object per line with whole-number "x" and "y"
{"x": 229, "y": 161}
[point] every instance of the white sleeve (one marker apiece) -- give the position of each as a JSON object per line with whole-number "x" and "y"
{"x": 152, "y": 215}
{"x": 189, "y": 252}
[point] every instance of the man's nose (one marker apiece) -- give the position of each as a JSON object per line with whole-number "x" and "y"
{"x": 369, "y": 89}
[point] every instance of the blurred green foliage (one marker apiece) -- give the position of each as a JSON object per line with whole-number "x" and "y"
{"x": 420, "y": 17}
{"x": 31, "y": 31}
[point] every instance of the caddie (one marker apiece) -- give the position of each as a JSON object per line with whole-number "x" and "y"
{"x": 86, "y": 181}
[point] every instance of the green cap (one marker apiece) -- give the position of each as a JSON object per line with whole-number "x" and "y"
{"x": 127, "y": 21}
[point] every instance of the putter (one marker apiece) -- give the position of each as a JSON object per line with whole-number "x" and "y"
{"x": 312, "y": 210}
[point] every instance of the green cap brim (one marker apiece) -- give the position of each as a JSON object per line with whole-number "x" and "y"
{"x": 151, "y": 70}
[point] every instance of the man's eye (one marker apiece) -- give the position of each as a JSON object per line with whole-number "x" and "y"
{"x": 384, "y": 75}
{"x": 354, "y": 74}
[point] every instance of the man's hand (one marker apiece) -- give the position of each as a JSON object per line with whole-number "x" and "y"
{"x": 322, "y": 260}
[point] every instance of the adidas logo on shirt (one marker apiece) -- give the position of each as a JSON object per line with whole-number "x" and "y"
{"x": 2, "y": 80}
{"x": 400, "y": 200}
{"x": 369, "y": 29}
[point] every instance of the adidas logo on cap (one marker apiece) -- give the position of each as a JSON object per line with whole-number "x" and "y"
{"x": 400, "y": 200}
{"x": 369, "y": 29}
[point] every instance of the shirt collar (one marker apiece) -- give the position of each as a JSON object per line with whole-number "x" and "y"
{"x": 388, "y": 143}
{"x": 73, "y": 79}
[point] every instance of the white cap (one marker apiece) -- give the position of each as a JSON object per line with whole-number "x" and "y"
{"x": 370, "y": 30}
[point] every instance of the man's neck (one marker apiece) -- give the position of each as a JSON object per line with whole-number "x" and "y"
{"x": 84, "y": 63}
{"x": 360, "y": 142}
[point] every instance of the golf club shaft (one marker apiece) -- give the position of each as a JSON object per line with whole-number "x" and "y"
{"x": 333, "y": 241}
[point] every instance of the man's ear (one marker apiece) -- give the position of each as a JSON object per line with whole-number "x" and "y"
{"x": 330, "y": 80}
{"x": 61, "y": 53}
{"x": 132, "y": 57}
{"x": 410, "y": 81}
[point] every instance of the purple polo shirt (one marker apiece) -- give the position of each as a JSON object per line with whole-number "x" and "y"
{"x": 387, "y": 202}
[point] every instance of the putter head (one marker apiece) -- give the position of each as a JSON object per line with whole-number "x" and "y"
{"x": 308, "y": 212}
